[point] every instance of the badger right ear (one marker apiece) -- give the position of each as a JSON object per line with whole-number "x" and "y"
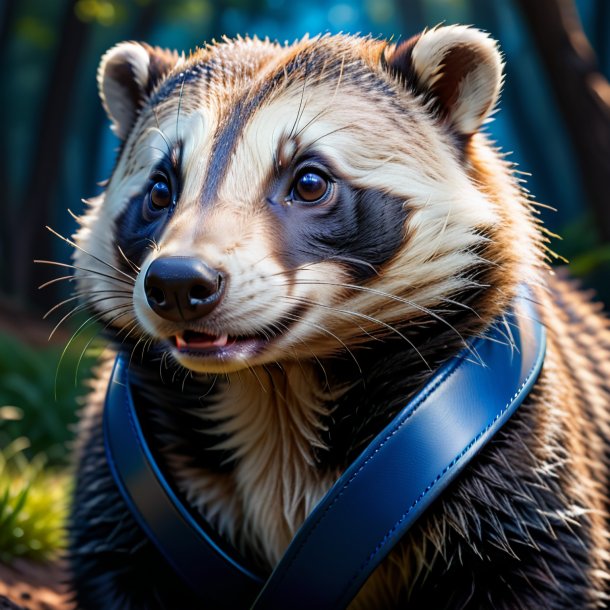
{"x": 127, "y": 74}
{"x": 457, "y": 68}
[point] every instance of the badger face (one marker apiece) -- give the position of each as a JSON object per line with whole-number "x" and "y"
{"x": 286, "y": 202}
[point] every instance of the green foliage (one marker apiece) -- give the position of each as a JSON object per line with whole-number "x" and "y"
{"x": 33, "y": 505}
{"x": 195, "y": 10}
{"x": 39, "y": 395}
{"x": 104, "y": 12}
{"x": 583, "y": 247}
{"x": 35, "y": 402}
{"x": 578, "y": 237}
{"x": 36, "y": 32}
{"x": 591, "y": 260}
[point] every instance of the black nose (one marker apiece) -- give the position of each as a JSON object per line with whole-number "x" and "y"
{"x": 180, "y": 289}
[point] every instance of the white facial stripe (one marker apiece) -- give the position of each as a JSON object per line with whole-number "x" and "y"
{"x": 196, "y": 135}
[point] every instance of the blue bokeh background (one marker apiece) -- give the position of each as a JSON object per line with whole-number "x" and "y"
{"x": 528, "y": 125}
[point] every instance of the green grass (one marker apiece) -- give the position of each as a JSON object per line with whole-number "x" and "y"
{"x": 33, "y": 506}
{"x": 38, "y": 400}
{"x": 38, "y": 409}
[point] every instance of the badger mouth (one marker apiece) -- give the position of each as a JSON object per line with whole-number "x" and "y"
{"x": 191, "y": 339}
{"x": 219, "y": 347}
{"x": 208, "y": 348}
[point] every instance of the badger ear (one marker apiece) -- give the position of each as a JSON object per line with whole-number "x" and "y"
{"x": 127, "y": 74}
{"x": 456, "y": 67}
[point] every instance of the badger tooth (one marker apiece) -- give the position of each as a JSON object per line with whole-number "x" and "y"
{"x": 221, "y": 341}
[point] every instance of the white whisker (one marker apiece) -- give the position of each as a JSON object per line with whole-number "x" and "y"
{"x": 96, "y": 258}
{"x": 300, "y": 319}
{"x": 368, "y": 318}
{"x": 98, "y": 273}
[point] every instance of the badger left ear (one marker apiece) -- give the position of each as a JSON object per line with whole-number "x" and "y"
{"x": 127, "y": 74}
{"x": 458, "y": 68}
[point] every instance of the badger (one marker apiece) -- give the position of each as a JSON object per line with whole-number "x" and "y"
{"x": 293, "y": 239}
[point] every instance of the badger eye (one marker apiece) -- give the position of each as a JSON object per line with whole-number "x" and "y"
{"x": 311, "y": 187}
{"x": 160, "y": 195}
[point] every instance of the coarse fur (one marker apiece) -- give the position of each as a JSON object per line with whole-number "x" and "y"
{"x": 351, "y": 301}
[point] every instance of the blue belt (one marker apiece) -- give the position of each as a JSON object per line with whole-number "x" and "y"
{"x": 372, "y": 505}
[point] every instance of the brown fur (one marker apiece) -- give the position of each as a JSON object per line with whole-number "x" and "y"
{"x": 526, "y": 524}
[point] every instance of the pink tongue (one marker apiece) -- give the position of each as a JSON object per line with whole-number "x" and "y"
{"x": 201, "y": 342}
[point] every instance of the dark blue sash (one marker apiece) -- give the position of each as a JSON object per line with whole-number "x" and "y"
{"x": 372, "y": 505}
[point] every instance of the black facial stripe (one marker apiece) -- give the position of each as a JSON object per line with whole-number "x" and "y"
{"x": 134, "y": 235}
{"x": 228, "y": 134}
{"x": 225, "y": 140}
{"x": 135, "y": 232}
{"x": 362, "y": 229}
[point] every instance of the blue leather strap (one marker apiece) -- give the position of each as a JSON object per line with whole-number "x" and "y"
{"x": 191, "y": 547}
{"x": 406, "y": 467}
{"x": 370, "y": 507}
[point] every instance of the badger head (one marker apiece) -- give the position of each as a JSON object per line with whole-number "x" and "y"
{"x": 274, "y": 203}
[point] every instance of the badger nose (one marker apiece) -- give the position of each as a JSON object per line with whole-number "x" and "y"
{"x": 180, "y": 289}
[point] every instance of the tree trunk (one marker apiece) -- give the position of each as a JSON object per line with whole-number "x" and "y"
{"x": 581, "y": 92}
{"x": 36, "y": 208}
{"x": 7, "y": 23}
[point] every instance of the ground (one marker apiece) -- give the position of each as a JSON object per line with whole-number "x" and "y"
{"x": 27, "y": 586}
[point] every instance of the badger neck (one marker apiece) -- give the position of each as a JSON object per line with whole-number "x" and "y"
{"x": 315, "y": 414}
{"x": 255, "y": 451}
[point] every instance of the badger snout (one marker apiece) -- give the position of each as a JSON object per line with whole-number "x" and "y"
{"x": 183, "y": 289}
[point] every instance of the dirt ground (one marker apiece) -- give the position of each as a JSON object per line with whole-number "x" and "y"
{"x": 28, "y": 586}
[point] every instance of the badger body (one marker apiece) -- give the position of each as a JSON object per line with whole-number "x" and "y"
{"x": 339, "y": 227}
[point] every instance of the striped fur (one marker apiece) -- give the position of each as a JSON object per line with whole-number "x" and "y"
{"x": 421, "y": 244}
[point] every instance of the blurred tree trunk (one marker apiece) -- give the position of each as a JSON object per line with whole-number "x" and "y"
{"x": 143, "y": 18}
{"x": 582, "y": 94}
{"x": 602, "y": 27}
{"x": 36, "y": 208}
{"x": 8, "y": 13}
